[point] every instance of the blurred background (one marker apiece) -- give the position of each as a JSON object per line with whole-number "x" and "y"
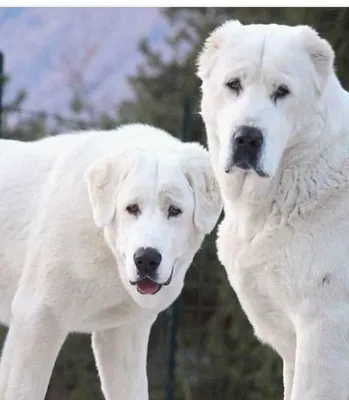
{"x": 72, "y": 69}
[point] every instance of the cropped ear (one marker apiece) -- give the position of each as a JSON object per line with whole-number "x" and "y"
{"x": 320, "y": 53}
{"x": 208, "y": 54}
{"x": 103, "y": 179}
{"x": 197, "y": 168}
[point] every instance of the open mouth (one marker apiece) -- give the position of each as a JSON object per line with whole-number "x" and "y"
{"x": 147, "y": 285}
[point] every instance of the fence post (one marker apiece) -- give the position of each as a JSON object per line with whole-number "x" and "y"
{"x": 174, "y": 309}
{"x": 2, "y": 78}
{"x": 186, "y": 128}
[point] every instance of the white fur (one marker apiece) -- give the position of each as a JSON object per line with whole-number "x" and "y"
{"x": 285, "y": 239}
{"x": 67, "y": 245}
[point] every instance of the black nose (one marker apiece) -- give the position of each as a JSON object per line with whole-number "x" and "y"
{"x": 147, "y": 260}
{"x": 248, "y": 137}
{"x": 248, "y": 142}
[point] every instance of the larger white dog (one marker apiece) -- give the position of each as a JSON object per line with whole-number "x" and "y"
{"x": 277, "y": 122}
{"x": 97, "y": 231}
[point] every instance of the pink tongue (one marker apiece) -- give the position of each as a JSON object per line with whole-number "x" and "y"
{"x": 146, "y": 286}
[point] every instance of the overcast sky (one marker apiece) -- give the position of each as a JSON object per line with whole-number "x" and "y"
{"x": 45, "y": 47}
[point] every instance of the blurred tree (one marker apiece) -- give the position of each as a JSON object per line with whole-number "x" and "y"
{"x": 25, "y": 128}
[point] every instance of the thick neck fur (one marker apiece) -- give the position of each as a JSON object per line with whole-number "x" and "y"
{"x": 311, "y": 171}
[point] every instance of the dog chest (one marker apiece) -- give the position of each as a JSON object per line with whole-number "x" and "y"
{"x": 299, "y": 268}
{"x": 262, "y": 281}
{"x": 264, "y": 298}
{"x": 111, "y": 317}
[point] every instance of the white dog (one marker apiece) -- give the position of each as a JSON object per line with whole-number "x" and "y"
{"x": 277, "y": 122}
{"x": 97, "y": 231}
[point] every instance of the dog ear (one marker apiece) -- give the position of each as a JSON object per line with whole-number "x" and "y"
{"x": 320, "y": 52}
{"x": 103, "y": 180}
{"x": 208, "y": 54}
{"x": 197, "y": 168}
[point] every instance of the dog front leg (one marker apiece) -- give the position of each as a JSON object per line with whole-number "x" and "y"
{"x": 121, "y": 357}
{"x": 31, "y": 347}
{"x": 288, "y": 373}
{"x": 322, "y": 358}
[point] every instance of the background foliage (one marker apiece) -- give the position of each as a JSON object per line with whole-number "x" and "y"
{"x": 217, "y": 354}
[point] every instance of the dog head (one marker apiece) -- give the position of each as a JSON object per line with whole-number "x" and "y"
{"x": 155, "y": 207}
{"x": 261, "y": 84}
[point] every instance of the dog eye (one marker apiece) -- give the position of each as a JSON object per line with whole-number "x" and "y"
{"x": 280, "y": 92}
{"x": 174, "y": 211}
{"x": 235, "y": 85}
{"x": 133, "y": 209}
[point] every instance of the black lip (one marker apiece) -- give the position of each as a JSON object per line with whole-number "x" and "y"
{"x": 170, "y": 277}
{"x": 142, "y": 279}
{"x": 261, "y": 173}
{"x": 244, "y": 165}
{"x": 133, "y": 283}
